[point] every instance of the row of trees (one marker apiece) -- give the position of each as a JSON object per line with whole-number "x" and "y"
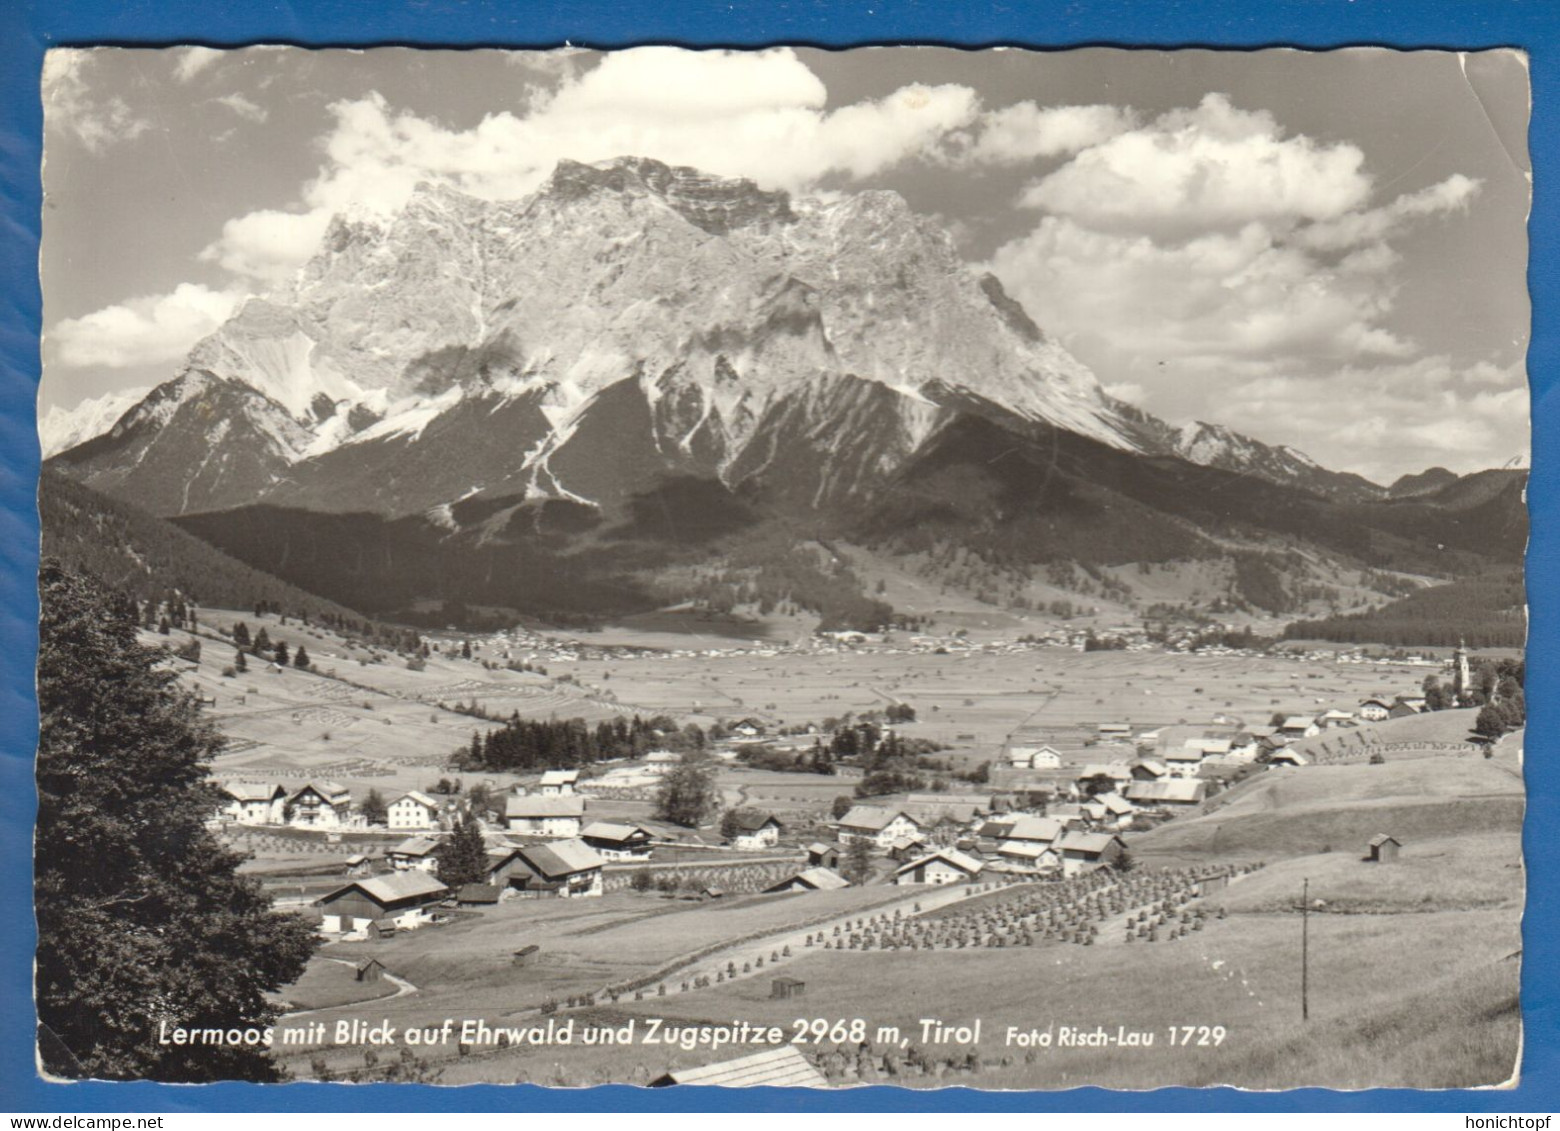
{"x": 1488, "y": 611}
{"x": 529, "y": 744}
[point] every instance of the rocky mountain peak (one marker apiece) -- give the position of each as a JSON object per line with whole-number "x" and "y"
{"x": 718, "y": 205}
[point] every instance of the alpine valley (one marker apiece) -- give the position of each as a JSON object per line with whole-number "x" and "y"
{"x": 644, "y": 386}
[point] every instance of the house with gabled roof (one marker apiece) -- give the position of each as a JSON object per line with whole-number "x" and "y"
{"x": 945, "y": 866}
{"x": 617, "y": 840}
{"x": 253, "y": 803}
{"x": 567, "y": 868}
{"x": 1169, "y": 794}
{"x": 824, "y": 854}
{"x": 755, "y": 831}
{"x": 413, "y": 810}
{"x": 559, "y": 783}
{"x": 320, "y": 805}
{"x": 1081, "y": 851}
{"x": 880, "y": 826}
{"x": 534, "y": 815}
{"x": 420, "y": 853}
{"x": 810, "y": 879}
{"x": 1374, "y": 710}
{"x": 783, "y": 1067}
{"x": 1041, "y": 757}
{"x": 402, "y": 899}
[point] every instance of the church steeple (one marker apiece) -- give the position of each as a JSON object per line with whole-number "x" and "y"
{"x": 1462, "y": 681}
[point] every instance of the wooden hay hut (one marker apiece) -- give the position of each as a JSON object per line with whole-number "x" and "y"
{"x": 782, "y": 988}
{"x": 371, "y": 971}
{"x": 1384, "y": 849}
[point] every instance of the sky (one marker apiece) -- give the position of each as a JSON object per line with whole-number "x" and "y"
{"x": 1326, "y": 250}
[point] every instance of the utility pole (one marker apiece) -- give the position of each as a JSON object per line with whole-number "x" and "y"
{"x": 1305, "y": 950}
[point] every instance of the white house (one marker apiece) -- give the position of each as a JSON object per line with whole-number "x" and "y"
{"x": 253, "y": 803}
{"x": 559, "y": 783}
{"x": 321, "y": 804}
{"x": 545, "y": 816}
{"x": 415, "y": 854}
{"x": 755, "y": 831}
{"x": 881, "y": 826}
{"x": 945, "y": 866}
{"x": 412, "y": 810}
{"x": 1337, "y": 718}
{"x": 662, "y": 761}
{"x": 1183, "y": 763}
{"x": 1374, "y": 710}
{"x": 1034, "y": 757}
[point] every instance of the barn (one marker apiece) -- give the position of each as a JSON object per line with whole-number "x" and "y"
{"x": 617, "y": 841}
{"x": 812, "y": 879}
{"x": 399, "y": 897}
{"x": 947, "y": 866}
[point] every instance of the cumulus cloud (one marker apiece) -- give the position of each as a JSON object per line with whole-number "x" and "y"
{"x": 758, "y": 115}
{"x": 1025, "y": 131}
{"x": 1212, "y": 166}
{"x": 1377, "y": 420}
{"x": 193, "y": 60}
{"x": 1228, "y": 269}
{"x": 244, "y": 107}
{"x": 142, "y": 331}
{"x": 71, "y": 108}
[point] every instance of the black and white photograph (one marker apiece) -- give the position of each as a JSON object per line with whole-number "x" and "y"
{"x": 939, "y": 568}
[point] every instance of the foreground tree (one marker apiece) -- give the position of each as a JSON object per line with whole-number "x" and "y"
{"x": 143, "y": 921}
{"x": 687, "y": 795}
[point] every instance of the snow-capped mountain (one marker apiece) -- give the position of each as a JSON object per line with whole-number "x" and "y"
{"x": 1214, "y": 445}
{"x": 625, "y": 316}
{"x": 62, "y": 428}
{"x": 627, "y": 321}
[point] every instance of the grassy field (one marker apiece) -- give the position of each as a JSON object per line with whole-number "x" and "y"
{"x": 1455, "y": 893}
{"x": 328, "y": 983}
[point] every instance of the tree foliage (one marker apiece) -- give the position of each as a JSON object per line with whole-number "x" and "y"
{"x": 858, "y": 860}
{"x": 687, "y": 795}
{"x": 142, "y": 918}
{"x": 463, "y": 855}
{"x": 374, "y": 809}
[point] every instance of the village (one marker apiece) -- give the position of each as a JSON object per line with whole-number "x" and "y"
{"x": 1043, "y": 827}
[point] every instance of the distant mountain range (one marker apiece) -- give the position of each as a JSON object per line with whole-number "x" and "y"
{"x": 551, "y": 404}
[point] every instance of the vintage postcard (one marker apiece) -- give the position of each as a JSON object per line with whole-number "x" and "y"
{"x": 785, "y": 567}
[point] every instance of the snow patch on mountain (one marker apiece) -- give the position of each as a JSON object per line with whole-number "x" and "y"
{"x": 62, "y": 428}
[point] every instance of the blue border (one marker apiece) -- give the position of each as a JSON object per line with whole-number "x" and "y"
{"x": 28, "y": 27}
